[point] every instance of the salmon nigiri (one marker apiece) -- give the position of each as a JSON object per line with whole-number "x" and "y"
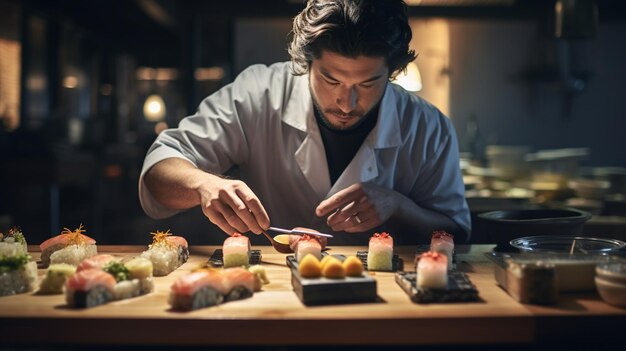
{"x": 199, "y": 289}
{"x": 69, "y": 247}
{"x": 97, "y": 261}
{"x": 89, "y": 287}
{"x": 239, "y": 282}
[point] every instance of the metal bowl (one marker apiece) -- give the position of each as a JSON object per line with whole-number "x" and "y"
{"x": 567, "y": 244}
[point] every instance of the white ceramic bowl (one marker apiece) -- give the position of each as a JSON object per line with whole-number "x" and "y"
{"x": 611, "y": 292}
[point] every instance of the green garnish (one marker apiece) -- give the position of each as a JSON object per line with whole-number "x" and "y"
{"x": 117, "y": 270}
{"x": 11, "y": 263}
{"x": 16, "y": 233}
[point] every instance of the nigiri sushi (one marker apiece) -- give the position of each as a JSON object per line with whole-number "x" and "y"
{"x": 432, "y": 271}
{"x": 293, "y": 239}
{"x": 196, "y": 290}
{"x": 90, "y": 287}
{"x": 308, "y": 245}
{"x": 380, "y": 253}
{"x": 443, "y": 243}
{"x": 167, "y": 252}
{"x": 69, "y": 247}
{"x": 239, "y": 282}
{"x": 236, "y": 251}
{"x": 18, "y": 273}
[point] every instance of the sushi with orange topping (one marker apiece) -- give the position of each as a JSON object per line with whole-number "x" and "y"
{"x": 69, "y": 247}
{"x": 167, "y": 252}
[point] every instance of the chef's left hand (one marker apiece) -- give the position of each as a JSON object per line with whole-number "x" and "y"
{"x": 359, "y": 207}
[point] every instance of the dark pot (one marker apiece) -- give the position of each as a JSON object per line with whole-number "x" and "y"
{"x": 501, "y": 227}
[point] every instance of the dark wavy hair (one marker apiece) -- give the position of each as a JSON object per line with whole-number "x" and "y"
{"x": 352, "y": 28}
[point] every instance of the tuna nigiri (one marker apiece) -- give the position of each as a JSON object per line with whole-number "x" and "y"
{"x": 90, "y": 287}
{"x": 432, "y": 271}
{"x": 69, "y": 247}
{"x": 380, "y": 253}
{"x": 236, "y": 251}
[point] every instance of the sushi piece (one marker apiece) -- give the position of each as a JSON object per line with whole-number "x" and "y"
{"x": 69, "y": 247}
{"x": 236, "y": 251}
{"x": 18, "y": 273}
{"x": 239, "y": 282}
{"x": 333, "y": 269}
{"x": 13, "y": 238}
{"x": 55, "y": 277}
{"x": 310, "y": 267}
{"x": 443, "y": 243}
{"x": 380, "y": 253}
{"x": 353, "y": 266}
{"x": 308, "y": 245}
{"x": 90, "y": 287}
{"x": 97, "y": 261}
{"x": 196, "y": 290}
{"x": 432, "y": 271}
{"x": 293, "y": 239}
{"x": 167, "y": 252}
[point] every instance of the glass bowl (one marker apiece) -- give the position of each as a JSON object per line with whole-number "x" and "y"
{"x": 567, "y": 244}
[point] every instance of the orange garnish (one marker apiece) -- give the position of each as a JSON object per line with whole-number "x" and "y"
{"x": 74, "y": 237}
{"x": 160, "y": 238}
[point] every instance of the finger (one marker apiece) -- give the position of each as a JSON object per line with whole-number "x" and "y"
{"x": 219, "y": 220}
{"x": 349, "y": 210}
{"x": 231, "y": 217}
{"x": 339, "y": 200}
{"x": 259, "y": 220}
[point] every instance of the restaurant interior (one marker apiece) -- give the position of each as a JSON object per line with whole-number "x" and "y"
{"x": 534, "y": 89}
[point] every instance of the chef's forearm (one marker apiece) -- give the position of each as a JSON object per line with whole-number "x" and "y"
{"x": 175, "y": 182}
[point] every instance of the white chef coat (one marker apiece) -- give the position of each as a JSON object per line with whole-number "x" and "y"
{"x": 263, "y": 123}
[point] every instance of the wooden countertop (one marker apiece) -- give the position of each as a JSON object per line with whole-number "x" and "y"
{"x": 275, "y": 316}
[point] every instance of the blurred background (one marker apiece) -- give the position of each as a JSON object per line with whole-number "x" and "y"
{"x": 534, "y": 89}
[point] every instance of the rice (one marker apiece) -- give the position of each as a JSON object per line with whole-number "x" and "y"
{"x": 73, "y": 254}
{"x": 165, "y": 259}
{"x": 18, "y": 281}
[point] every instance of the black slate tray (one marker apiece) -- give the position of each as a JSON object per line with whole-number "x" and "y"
{"x": 217, "y": 258}
{"x": 460, "y": 289}
{"x": 326, "y": 291}
{"x": 397, "y": 264}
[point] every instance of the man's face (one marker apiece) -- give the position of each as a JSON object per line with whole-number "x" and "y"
{"x": 344, "y": 89}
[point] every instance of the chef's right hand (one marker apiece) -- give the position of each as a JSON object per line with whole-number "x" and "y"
{"x": 232, "y": 206}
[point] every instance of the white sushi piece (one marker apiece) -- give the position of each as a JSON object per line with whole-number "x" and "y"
{"x": 18, "y": 280}
{"x": 236, "y": 251}
{"x": 164, "y": 259}
{"x": 443, "y": 243}
{"x": 432, "y": 271}
{"x": 55, "y": 278}
{"x": 380, "y": 253}
{"x": 73, "y": 254}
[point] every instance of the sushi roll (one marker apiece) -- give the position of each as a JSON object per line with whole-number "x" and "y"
{"x": 140, "y": 269}
{"x": 239, "y": 282}
{"x": 69, "y": 247}
{"x": 55, "y": 277}
{"x": 196, "y": 290}
{"x": 18, "y": 273}
{"x": 90, "y": 287}
{"x": 432, "y": 271}
{"x": 380, "y": 253}
{"x": 236, "y": 251}
{"x": 443, "y": 243}
{"x": 167, "y": 252}
{"x": 308, "y": 245}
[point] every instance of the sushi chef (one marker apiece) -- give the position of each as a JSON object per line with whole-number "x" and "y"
{"x": 324, "y": 141}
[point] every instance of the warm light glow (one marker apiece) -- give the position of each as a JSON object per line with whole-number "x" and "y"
{"x": 209, "y": 73}
{"x": 70, "y": 82}
{"x": 148, "y": 73}
{"x": 154, "y": 108}
{"x": 411, "y": 80}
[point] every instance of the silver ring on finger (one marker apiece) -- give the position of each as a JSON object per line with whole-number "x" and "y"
{"x": 357, "y": 219}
